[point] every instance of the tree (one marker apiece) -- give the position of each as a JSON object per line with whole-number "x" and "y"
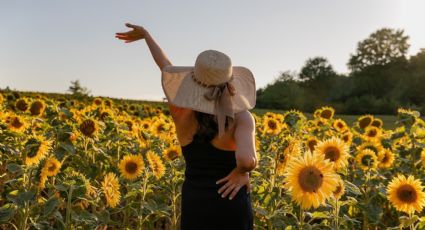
{"x": 381, "y": 47}
{"x": 77, "y": 89}
{"x": 315, "y": 68}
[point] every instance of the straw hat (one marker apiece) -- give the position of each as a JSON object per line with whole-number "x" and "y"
{"x": 212, "y": 86}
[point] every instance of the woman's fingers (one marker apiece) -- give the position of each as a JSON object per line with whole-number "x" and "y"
{"x": 221, "y": 180}
{"x": 228, "y": 190}
{"x": 130, "y": 25}
{"x": 234, "y": 192}
{"x": 224, "y": 187}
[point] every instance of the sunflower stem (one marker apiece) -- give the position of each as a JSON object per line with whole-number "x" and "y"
{"x": 301, "y": 218}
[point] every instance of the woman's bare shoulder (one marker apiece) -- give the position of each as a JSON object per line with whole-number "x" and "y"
{"x": 245, "y": 118}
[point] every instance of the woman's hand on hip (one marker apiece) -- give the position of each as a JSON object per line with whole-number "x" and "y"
{"x": 137, "y": 33}
{"x": 235, "y": 181}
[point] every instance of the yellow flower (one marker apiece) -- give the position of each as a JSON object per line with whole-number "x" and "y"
{"x": 173, "y": 152}
{"x": 272, "y": 126}
{"x": 156, "y": 165}
{"x": 372, "y": 133}
{"x": 327, "y": 112}
{"x": 131, "y": 166}
{"x": 22, "y": 104}
{"x": 88, "y": 127}
{"x": 339, "y": 190}
{"x": 51, "y": 167}
{"x": 347, "y": 137}
{"x": 335, "y": 150}
{"x": 376, "y": 147}
{"x": 37, "y": 108}
{"x": 406, "y": 194}
{"x": 311, "y": 180}
{"x": 37, "y": 148}
{"x": 423, "y": 157}
{"x": 385, "y": 158}
{"x": 311, "y": 143}
{"x": 364, "y": 121}
{"x": 366, "y": 159}
{"x": 111, "y": 189}
{"x": 340, "y": 125}
{"x": 16, "y": 123}
{"x": 377, "y": 123}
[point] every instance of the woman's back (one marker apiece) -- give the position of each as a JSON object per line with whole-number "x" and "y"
{"x": 202, "y": 206}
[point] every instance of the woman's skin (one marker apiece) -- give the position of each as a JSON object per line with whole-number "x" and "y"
{"x": 240, "y": 137}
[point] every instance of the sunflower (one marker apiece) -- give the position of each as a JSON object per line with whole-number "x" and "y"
{"x": 340, "y": 125}
{"x": 385, "y": 158}
{"x": 311, "y": 143}
{"x": 42, "y": 182}
{"x": 156, "y": 165}
{"x": 310, "y": 179}
{"x": 111, "y": 189}
{"x": 327, "y": 112}
{"x": 21, "y": 104}
{"x": 159, "y": 127}
{"x": 406, "y": 194}
{"x": 272, "y": 126}
{"x": 17, "y": 123}
{"x": 347, "y": 137}
{"x": 172, "y": 153}
{"x": 97, "y": 101}
{"x": 316, "y": 113}
{"x": 88, "y": 127}
{"x": 339, "y": 190}
{"x": 377, "y": 123}
{"x": 335, "y": 150}
{"x": 131, "y": 166}
{"x": 372, "y": 133}
{"x": 51, "y": 167}
{"x": 364, "y": 121}
{"x": 376, "y": 147}
{"x": 366, "y": 159}
{"x": 37, "y": 108}
{"x": 36, "y": 149}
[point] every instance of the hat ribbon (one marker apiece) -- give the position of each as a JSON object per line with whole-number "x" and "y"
{"x": 223, "y": 101}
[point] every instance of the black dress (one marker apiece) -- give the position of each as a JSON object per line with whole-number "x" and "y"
{"x": 202, "y": 206}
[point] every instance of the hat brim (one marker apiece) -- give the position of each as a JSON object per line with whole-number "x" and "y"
{"x": 182, "y": 91}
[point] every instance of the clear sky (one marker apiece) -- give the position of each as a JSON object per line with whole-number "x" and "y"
{"x": 46, "y": 44}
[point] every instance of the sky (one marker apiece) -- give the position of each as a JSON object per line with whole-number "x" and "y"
{"x": 45, "y": 44}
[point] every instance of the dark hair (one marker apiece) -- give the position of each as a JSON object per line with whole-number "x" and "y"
{"x": 207, "y": 126}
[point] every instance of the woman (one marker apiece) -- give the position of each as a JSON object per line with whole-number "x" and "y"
{"x": 209, "y": 105}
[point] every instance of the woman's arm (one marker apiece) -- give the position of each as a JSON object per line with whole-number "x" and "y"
{"x": 246, "y": 159}
{"x": 138, "y": 33}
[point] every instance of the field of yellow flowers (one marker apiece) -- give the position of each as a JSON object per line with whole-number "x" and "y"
{"x": 102, "y": 164}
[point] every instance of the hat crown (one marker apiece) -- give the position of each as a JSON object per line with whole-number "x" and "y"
{"x": 213, "y": 67}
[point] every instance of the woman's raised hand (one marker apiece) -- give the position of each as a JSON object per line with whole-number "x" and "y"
{"x": 137, "y": 33}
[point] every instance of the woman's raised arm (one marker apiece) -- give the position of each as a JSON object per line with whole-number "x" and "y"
{"x": 138, "y": 33}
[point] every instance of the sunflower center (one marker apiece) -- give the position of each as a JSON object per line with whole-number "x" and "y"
{"x": 385, "y": 159}
{"x": 172, "y": 154}
{"x": 332, "y": 153}
{"x": 36, "y": 108}
{"x": 131, "y": 167}
{"x": 340, "y": 125}
{"x": 337, "y": 189}
{"x": 407, "y": 193}
{"x": 363, "y": 123}
{"x": 310, "y": 179}
{"x": 88, "y": 127}
{"x": 16, "y": 123}
{"x": 51, "y": 167}
{"x": 326, "y": 114}
{"x": 272, "y": 124}
{"x": 372, "y": 133}
{"x": 312, "y": 144}
{"x": 367, "y": 160}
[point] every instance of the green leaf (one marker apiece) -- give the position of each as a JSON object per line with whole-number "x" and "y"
{"x": 6, "y": 213}
{"x": 352, "y": 188}
{"x": 406, "y": 221}
{"x": 320, "y": 215}
{"x": 50, "y": 206}
{"x": 14, "y": 168}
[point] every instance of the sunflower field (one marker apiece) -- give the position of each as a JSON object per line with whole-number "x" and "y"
{"x": 99, "y": 163}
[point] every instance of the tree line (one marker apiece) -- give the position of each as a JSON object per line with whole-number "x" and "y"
{"x": 382, "y": 78}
